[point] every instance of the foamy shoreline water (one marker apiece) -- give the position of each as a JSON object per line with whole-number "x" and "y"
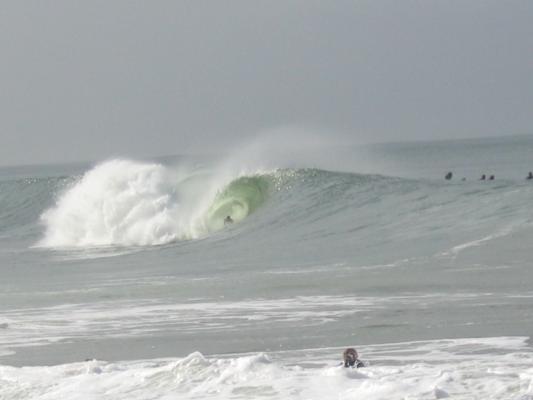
{"x": 482, "y": 368}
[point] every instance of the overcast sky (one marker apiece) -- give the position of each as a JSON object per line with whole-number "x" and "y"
{"x": 91, "y": 79}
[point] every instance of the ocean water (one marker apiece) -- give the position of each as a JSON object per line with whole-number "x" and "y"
{"x": 119, "y": 279}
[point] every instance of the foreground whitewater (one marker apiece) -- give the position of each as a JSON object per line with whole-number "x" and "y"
{"x": 128, "y": 264}
{"x": 490, "y": 368}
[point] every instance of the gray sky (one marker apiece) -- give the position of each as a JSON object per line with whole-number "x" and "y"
{"x": 93, "y": 79}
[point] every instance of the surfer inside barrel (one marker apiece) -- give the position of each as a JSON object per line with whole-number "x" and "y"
{"x": 351, "y": 358}
{"x": 228, "y": 220}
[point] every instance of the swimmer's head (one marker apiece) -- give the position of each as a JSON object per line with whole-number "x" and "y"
{"x": 350, "y": 356}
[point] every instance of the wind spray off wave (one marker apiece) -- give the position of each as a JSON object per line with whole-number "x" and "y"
{"x": 122, "y": 202}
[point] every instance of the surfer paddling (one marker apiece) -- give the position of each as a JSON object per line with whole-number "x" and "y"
{"x": 351, "y": 358}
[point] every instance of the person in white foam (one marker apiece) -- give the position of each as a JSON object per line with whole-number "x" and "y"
{"x": 351, "y": 358}
{"x": 228, "y": 220}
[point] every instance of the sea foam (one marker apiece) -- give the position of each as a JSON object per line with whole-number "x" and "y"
{"x": 464, "y": 369}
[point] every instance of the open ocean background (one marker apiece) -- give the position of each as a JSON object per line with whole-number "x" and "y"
{"x": 127, "y": 262}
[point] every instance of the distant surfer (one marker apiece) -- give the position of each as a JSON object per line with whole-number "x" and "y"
{"x": 351, "y": 358}
{"x": 491, "y": 178}
{"x": 448, "y": 176}
{"x": 530, "y": 176}
{"x": 228, "y": 220}
{"x": 483, "y": 177}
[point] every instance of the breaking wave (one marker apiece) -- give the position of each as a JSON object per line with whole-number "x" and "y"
{"x": 130, "y": 203}
{"x": 122, "y": 202}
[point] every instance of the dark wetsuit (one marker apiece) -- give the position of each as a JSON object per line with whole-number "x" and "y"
{"x": 356, "y": 364}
